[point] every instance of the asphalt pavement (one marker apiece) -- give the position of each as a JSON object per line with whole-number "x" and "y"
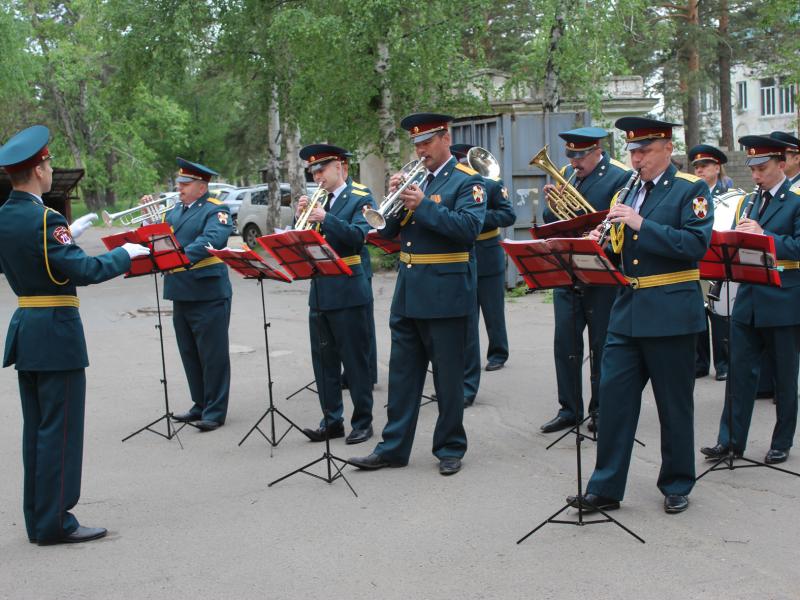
{"x": 193, "y": 517}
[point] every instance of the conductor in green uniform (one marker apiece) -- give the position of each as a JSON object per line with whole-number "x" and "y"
{"x": 663, "y": 230}
{"x": 435, "y": 294}
{"x": 45, "y": 342}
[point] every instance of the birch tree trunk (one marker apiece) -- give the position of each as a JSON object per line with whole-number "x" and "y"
{"x": 294, "y": 166}
{"x": 272, "y": 175}
{"x": 389, "y": 142}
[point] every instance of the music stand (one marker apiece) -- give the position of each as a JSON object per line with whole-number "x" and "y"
{"x": 566, "y": 262}
{"x": 306, "y": 255}
{"x": 166, "y": 255}
{"x": 250, "y": 265}
{"x": 736, "y": 256}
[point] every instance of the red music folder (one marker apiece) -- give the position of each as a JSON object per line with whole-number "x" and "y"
{"x": 751, "y": 257}
{"x": 571, "y": 228}
{"x": 304, "y": 254}
{"x": 388, "y": 246}
{"x": 541, "y": 262}
{"x": 250, "y": 264}
{"x": 166, "y": 253}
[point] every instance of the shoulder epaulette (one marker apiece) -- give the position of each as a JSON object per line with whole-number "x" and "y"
{"x": 358, "y": 185}
{"x": 621, "y": 165}
{"x": 359, "y": 192}
{"x": 466, "y": 169}
{"x": 687, "y": 176}
{"x": 215, "y": 201}
{"x": 795, "y": 189}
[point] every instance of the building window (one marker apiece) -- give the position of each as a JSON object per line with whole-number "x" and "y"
{"x": 786, "y": 99}
{"x": 767, "y": 97}
{"x": 741, "y": 95}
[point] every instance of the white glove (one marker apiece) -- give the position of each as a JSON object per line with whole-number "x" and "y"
{"x": 82, "y": 224}
{"x": 135, "y": 250}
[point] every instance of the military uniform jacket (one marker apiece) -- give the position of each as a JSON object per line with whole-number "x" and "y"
{"x": 499, "y": 213}
{"x": 765, "y": 306}
{"x": 446, "y": 221}
{"x": 674, "y": 236}
{"x": 47, "y": 339}
{"x": 599, "y": 186}
{"x": 345, "y": 229}
{"x": 366, "y": 261}
{"x": 206, "y": 222}
{"x": 719, "y": 189}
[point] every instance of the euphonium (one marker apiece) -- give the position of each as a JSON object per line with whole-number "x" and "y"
{"x": 482, "y": 161}
{"x": 567, "y": 202}
{"x": 413, "y": 172}
{"x": 317, "y": 198}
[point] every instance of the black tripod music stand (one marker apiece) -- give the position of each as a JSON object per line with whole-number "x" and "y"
{"x": 166, "y": 255}
{"x": 306, "y": 255}
{"x": 735, "y": 256}
{"x": 250, "y": 265}
{"x": 567, "y": 262}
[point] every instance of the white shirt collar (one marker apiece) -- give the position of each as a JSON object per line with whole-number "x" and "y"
{"x": 337, "y": 192}
{"x": 773, "y": 191}
{"x": 442, "y": 166}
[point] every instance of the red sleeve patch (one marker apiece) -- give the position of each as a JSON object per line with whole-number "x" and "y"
{"x": 223, "y": 217}
{"x": 700, "y": 207}
{"x": 62, "y": 235}
{"x": 477, "y": 193}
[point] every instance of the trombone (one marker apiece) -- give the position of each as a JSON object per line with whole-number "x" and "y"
{"x": 413, "y": 172}
{"x": 567, "y": 202}
{"x": 317, "y": 198}
{"x": 152, "y": 212}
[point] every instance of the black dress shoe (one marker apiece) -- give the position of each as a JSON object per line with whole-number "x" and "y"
{"x": 81, "y": 534}
{"x": 557, "y": 424}
{"x": 593, "y": 502}
{"x": 592, "y": 426}
{"x": 721, "y": 376}
{"x": 495, "y": 366}
{"x": 187, "y": 417}
{"x": 718, "y": 451}
{"x": 207, "y": 425}
{"x": 774, "y": 456}
{"x": 318, "y": 435}
{"x": 469, "y": 402}
{"x": 673, "y": 503}
{"x": 372, "y": 462}
{"x": 359, "y": 435}
{"x": 449, "y": 466}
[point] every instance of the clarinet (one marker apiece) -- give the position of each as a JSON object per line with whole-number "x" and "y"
{"x": 621, "y": 199}
{"x": 748, "y": 208}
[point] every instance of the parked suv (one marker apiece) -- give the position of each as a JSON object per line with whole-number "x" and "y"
{"x": 252, "y": 219}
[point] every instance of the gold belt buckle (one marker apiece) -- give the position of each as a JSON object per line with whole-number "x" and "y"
{"x": 634, "y": 283}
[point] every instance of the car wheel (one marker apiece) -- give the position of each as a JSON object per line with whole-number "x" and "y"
{"x": 250, "y": 234}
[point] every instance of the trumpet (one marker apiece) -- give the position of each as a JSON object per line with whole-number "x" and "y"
{"x": 317, "y": 198}
{"x": 568, "y": 202}
{"x": 622, "y": 197}
{"x": 152, "y": 212}
{"x": 413, "y": 172}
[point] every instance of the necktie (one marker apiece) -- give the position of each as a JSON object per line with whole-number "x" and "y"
{"x": 764, "y": 204}
{"x": 329, "y": 201}
{"x": 428, "y": 180}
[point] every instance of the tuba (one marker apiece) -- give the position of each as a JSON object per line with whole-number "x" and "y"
{"x": 413, "y": 172}
{"x": 567, "y": 202}
{"x": 317, "y": 198}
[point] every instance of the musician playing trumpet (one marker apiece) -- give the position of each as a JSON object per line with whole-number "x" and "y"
{"x": 338, "y": 306}
{"x": 436, "y": 291}
{"x": 596, "y": 176}
{"x": 765, "y": 320}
